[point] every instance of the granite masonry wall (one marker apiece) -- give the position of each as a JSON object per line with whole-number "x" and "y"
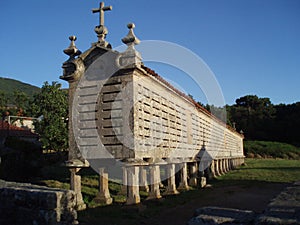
{"x": 27, "y": 204}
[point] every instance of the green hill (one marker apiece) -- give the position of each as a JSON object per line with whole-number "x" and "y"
{"x": 8, "y": 86}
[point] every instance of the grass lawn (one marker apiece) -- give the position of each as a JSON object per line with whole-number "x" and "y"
{"x": 263, "y": 174}
{"x": 268, "y": 170}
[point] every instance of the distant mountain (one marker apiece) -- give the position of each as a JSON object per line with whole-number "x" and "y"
{"x": 8, "y": 86}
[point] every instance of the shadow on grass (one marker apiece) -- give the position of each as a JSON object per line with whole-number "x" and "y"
{"x": 222, "y": 193}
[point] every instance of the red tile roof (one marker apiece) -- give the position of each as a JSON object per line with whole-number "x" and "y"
{"x": 14, "y": 131}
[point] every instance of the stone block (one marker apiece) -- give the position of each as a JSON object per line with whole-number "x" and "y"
{"x": 216, "y": 215}
{"x": 31, "y": 204}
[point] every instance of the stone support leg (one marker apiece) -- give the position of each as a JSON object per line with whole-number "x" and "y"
{"x": 213, "y": 169}
{"x": 227, "y": 165}
{"x": 124, "y": 182}
{"x": 133, "y": 195}
{"x": 171, "y": 188}
{"x": 103, "y": 195}
{"x": 193, "y": 174}
{"x": 224, "y": 165}
{"x": 231, "y": 164}
{"x": 76, "y": 187}
{"x": 183, "y": 184}
{"x": 143, "y": 180}
{"x": 217, "y": 169}
{"x": 221, "y": 166}
{"x": 154, "y": 183}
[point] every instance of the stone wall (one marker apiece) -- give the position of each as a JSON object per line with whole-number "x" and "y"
{"x": 28, "y": 204}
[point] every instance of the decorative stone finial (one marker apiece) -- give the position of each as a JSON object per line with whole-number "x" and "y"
{"x": 101, "y": 30}
{"x": 130, "y": 39}
{"x": 72, "y": 67}
{"x": 72, "y": 50}
{"x": 130, "y": 57}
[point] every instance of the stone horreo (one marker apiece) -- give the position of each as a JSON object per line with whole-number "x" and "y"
{"x": 131, "y": 125}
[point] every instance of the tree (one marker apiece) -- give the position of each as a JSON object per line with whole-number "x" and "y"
{"x": 3, "y": 99}
{"x": 21, "y": 101}
{"x": 51, "y": 105}
{"x": 253, "y": 115}
{"x": 3, "y": 102}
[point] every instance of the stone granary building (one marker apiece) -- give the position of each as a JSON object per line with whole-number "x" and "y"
{"x": 128, "y": 123}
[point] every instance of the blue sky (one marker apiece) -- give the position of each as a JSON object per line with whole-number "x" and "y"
{"x": 252, "y": 46}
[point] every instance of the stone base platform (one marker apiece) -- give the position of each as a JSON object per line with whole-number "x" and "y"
{"x": 27, "y": 204}
{"x": 216, "y": 215}
{"x": 283, "y": 210}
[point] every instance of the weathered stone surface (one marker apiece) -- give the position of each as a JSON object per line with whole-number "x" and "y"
{"x": 216, "y": 215}
{"x": 171, "y": 187}
{"x": 133, "y": 196}
{"x": 75, "y": 186}
{"x": 284, "y": 209}
{"x": 103, "y": 195}
{"x": 23, "y": 203}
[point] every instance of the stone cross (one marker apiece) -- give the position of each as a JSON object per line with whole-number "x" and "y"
{"x": 101, "y": 11}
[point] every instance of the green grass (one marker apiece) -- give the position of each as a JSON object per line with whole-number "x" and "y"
{"x": 266, "y": 170}
{"x": 256, "y": 172}
{"x": 268, "y": 149}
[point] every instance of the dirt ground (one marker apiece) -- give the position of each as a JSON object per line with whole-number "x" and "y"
{"x": 250, "y": 198}
{"x": 253, "y": 197}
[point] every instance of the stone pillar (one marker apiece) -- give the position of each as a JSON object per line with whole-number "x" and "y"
{"x": 227, "y": 165}
{"x": 124, "y": 182}
{"x": 221, "y": 167}
{"x": 143, "y": 180}
{"x": 213, "y": 169}
{"x": 103, "y": 195}
{"x": 75, "y": 185}
{"x": 171, "y": 188}
{"x": 154, "y": 183}
{"x": 217, "y": 169}
{"x": 183, "y": 184}
{"x": 133, "y": 195}
{"x": 193, "y": 174}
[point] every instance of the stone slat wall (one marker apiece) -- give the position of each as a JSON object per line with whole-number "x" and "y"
{"x": 168, "y": 125}
{"x": 138, "y": 116}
